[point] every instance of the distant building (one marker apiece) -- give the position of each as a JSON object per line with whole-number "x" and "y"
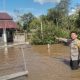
{"x": 6, "y": 22}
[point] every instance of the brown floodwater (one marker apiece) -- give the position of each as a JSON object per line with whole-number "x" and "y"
{"x": 10, "y": 62}
{"x": 52, "y": 50}
{"x": 43, "y": 63}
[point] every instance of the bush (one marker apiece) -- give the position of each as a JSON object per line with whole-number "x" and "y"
{"x": 48, "y": 36}
{"x": 61, "y": 33}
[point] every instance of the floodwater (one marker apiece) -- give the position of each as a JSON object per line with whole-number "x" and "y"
{"x": 43, "y": 62}
{"x": 52, "y": 50}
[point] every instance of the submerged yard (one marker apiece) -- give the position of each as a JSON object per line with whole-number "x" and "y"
{"x": 42, "y": 63}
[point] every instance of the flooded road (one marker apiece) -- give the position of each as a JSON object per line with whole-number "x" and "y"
{"x": 53, "y": 50}
{"x": 42, "y": 63}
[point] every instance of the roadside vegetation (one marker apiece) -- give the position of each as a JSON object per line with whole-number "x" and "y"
{"x": 57, "y": 22}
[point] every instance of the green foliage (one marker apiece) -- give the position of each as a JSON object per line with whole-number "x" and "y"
{"x": 59, "y": 12}
{"x": 47, "y": 37}
{"x": 53, "y": 15}
{"x": 57, "y": 22}
{"x": 49, "y": 34}
{"x": 26, "y": 20}
{"x": 63, "y": 6}
{"x": 78, "y": 20}
{"x": 78, "y": 36}
{"x": 34, "y": 23}
{"x": 61, "y": 33}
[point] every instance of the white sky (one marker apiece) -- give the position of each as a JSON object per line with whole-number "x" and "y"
{"x": 45, "y": 1}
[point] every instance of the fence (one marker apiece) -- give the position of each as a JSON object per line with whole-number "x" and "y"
{"x": 12, "y": 64}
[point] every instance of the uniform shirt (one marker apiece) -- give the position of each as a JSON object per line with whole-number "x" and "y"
{"x": 74, "y": 47}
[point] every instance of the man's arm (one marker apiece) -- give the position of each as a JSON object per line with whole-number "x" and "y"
{"x": 62, "y": 39}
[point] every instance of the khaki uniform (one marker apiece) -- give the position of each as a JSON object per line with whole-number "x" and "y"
{"x": 74, "y": 47}
{"x": 75, "y": 52}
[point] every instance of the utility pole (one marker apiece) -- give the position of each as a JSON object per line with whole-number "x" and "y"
{"x": 4, "y": 5}
{"x": 4, "y": 29}
{"x": 41, "y": 30}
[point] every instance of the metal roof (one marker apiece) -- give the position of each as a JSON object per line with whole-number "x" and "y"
{"x": 5, "y": 16}
{"x": 6, "y": 21}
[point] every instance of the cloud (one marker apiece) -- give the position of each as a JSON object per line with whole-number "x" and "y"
{"x": 16, "y": 13}
{"x": 46, "y": 1}
{"x": 73, "y": 11}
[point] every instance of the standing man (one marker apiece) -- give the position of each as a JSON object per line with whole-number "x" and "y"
{"x": 74, "y": 44}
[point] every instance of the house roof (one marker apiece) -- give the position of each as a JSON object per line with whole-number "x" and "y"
{"x": 5, "y": 16}
{"x": 7, "y": 24}
{"x": 6, "y": 21}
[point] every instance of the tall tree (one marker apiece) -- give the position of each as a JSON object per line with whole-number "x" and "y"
{"x": 59, "y": 12}
{"x": 78, "y": 20}
{"x": 26, "y": 20}
{"x": 63, "y": 7}
{"x": 53, "y": 15}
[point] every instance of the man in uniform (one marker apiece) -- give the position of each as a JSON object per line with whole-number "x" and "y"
{"x": 74, "y": 44}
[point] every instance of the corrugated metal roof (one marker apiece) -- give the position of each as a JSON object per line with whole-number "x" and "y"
{"x": 5, "y": 16}
{"x": 6, "y": 21}
{"x": 7, "y": 24}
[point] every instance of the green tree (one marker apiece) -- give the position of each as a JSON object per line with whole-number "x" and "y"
{"x": 78, "y": 20}
{"x": 53, "y": 15}
{"x": 35, "y": 23}
{"x": 58, "y": 14}
{"x": 63, "y": 7}
{"x": 26, "y": 20}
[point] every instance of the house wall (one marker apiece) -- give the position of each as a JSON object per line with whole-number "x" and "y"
{"x": 9, "y": 33}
